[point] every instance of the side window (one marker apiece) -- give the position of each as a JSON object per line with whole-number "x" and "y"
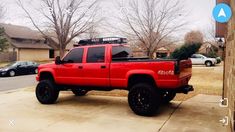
{"x": 95, "y": 54}
{"x": 193, "y": 56}
{"x": 22, "y": 64}
{"x": 74, "y": 56}
{"x": 198, "y": 56}
{"x": 120, "y": 52}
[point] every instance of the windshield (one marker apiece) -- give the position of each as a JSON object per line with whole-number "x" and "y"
{"x": 11, "y": 64}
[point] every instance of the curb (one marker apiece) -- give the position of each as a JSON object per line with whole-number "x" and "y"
{"x": 16, "y": 90}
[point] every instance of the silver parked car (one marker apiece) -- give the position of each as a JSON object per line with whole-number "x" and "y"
{"x": 199, "y": 59}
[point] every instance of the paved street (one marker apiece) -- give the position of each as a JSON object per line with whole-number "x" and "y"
{"x": 10, "y": 83}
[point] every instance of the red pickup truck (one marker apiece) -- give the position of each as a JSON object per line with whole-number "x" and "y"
{"x": 150, "y": 82}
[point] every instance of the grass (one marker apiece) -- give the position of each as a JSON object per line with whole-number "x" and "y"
{"x": 206, "y": 80}
{"x": 3, "y": 63}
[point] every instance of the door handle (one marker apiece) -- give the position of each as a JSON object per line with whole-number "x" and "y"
{"x": 80, "y": 67}
{"x": 102, "y": 67}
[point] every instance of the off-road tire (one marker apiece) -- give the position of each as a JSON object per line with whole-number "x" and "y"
{"x": 46, "y": 92}
{"x": 79, "y": 91}
{"x": 167, "y": 96}
{"x": 143, "y": 99}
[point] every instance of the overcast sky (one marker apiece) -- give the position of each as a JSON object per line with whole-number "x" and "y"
{"x": 200, "y": 13}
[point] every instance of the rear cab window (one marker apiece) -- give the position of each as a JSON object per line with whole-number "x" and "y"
{"x": 96, "y": 55}
{"x": 119, "y": 52}
{"x": 74, "y": 56}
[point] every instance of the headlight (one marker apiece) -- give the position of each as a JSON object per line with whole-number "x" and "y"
{"x": 4, "y": 69}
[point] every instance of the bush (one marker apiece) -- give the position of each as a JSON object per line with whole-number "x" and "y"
{"x": 185, "y": 51}
{"x": 218, "y": 60}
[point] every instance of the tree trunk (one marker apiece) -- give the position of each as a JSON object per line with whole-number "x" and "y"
{"x": 61, "y": 52}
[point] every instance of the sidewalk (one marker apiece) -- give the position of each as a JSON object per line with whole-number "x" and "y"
{"x": 20, "y": 111}
{"x": 198, "y": 114}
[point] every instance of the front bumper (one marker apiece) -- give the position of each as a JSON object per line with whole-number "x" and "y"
{"x": 3, "y": 73}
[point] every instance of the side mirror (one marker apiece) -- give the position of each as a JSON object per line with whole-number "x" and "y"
{"x": 58, "y": 60}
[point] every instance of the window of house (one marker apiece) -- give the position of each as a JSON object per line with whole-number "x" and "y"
{"x": 95, "y": 54}
{"x": 74, "y": 56}
{"x": 51, "y": 53}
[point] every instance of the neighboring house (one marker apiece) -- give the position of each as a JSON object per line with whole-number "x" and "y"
{"x": 28, "y": 44}
{"x": 164, "y": 51}
{"x": 208, "y": 47}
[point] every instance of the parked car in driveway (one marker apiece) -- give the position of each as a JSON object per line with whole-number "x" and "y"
{"x": 19, "y": 68}
{"x": 199, "y": 59}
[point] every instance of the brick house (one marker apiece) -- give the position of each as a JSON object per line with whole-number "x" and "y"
{"x": 28, "y": 44}
{"x": 161, "y": 52}
{"x": 226, "y": 31}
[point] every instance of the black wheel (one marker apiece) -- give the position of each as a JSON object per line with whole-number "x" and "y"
{"x": 208, "y": 63}
{"x": 46, "y": 92}
{"x": 143, "y": 99}
{"x": 167, "y": 96}
{"x": 79, "y": 91}
{"x": 11, "y": 73}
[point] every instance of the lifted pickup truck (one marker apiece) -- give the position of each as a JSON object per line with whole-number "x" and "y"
{"x": 103, "y": 66}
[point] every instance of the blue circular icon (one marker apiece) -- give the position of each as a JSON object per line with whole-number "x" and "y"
{"x": 222, "y": 13}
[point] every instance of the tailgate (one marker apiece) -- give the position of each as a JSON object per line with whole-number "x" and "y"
{"x": 185, "y": 67}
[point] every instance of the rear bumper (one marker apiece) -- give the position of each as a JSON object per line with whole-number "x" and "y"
{"x": 183, "y": 89}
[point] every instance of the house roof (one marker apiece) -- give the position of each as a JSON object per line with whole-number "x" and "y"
{"x": 15, "y": 31}
{"x": 30, "y": 45}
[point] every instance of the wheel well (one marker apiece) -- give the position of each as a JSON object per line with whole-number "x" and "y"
{"x": 208, "y": 61}
{"x": 46, "y": 76}
{"x": 133, "y": 79}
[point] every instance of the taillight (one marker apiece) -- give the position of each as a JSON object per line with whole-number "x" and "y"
{"x": 177, "y": 67}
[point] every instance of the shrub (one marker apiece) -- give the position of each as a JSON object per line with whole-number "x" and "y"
{"x": 185, "y": 51}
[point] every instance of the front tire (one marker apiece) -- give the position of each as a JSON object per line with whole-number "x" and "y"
{"x": 208, "y": 63}
{"x": 79, "y": 91}
{"x": 143, "y": 99}
{"x": 12, "y": 73}
{"x": 46, "y": 92}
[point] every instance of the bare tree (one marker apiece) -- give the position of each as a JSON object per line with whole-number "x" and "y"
{"x": 2, "y": 11}
{"x": 65, "y": 19}
{"x": 193, "y": 37}
{"x": 150, "y": 22}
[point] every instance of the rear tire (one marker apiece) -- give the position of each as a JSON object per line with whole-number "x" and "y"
{"x": 36, "y": 71}
{"x": 79, "y": 91}
{"x": 167, "y": 96}
{"x": 46, "y": 92}
{"x": 143, "y": 99}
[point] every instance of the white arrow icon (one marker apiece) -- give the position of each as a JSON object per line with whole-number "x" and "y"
{"x": 222, "y": 13}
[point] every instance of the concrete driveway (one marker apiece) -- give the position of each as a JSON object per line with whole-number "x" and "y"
{"x": 20, "y": 111}
{"x": 10, "y": 83}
